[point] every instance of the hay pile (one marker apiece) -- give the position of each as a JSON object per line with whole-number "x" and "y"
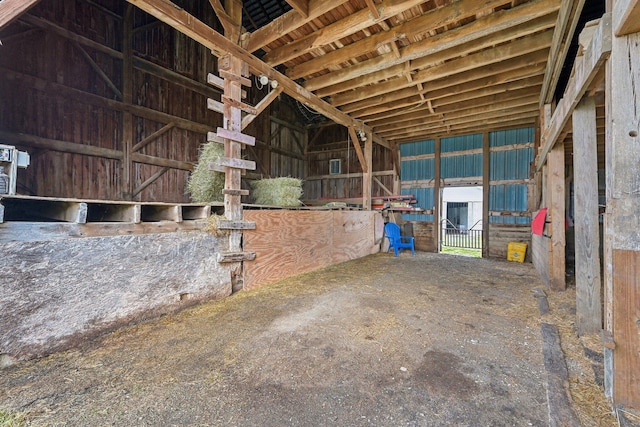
{"x": 285, "y": 192}
{"x": 206, "y": 185}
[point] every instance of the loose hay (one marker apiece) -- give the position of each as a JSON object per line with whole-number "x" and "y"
{"x": 206, "y": 185}
{"x": 285, "y": 192}
{"x": 212, "y": 225}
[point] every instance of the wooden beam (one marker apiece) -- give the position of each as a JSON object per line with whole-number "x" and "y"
{"x": 627, "y": 13}
{"x": 500, "y": 53}
{"x": 98, "y": 70}
{"x": 223, "y": 16}
{"x": 381, "y": 185}
{"x": 585, "y": 70}
{"x": 356, "y": 144}
{"x": 437, "y": 199}
{"x": 153, "y": 136}
{"x": 12, "y": 9}
{"x": 331, "y": 33}
{"x": 89, "y": 150}
{"x": 486, "y": 193}
{"x": 587, "y": 229}
{"x": 220, "y": 45}
{"x": 127, "y": 176}
{"x": 486, "y": 31}
{"x": 373, "y": 9}
{"x": 565, "y": 26}
{"x": 260, "y": 107}
{"x": 366, "y": 175}
{"x": 150, "y": 180}
{"x": 556, "y": 182}
{"x": 289, "y": 22}
{"x": 300, "y": 6}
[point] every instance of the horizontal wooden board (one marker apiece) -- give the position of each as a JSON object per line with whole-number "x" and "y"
{"x": 501, "y": 235}
{"x": 288, "y": 242}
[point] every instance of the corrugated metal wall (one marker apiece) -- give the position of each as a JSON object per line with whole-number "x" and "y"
{"x": 461, "y": 160}
{"x": 417, "y": 173}
{"x": 511, "y": 156}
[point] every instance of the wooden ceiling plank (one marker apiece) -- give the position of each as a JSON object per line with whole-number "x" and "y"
{"x": 289, "y": 22}
{"x": 347, "y": 26}
{"x": 474, "y": 127}
{"x": 586, "y": 69}
{"x": 520, "y": 47}
{"x": 565, "y": 26}
{"x": 227, "y": 23}
{"x": 12, "y": 9}
{"x": 373, "y": 9}
{"x": 456, "y": 83}
{"x": 485, "y": 32}
{"x": 300, "y": 6}
{"x": 471, "y": 108}
{"x": 187, "y": 24}
{"x": 415, "y": 102}
{"x": 448, "y": 15}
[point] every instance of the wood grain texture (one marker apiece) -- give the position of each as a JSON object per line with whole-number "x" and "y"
{"x": 424, "y": 236}
{"x": 626, "y": 306}
{"x": 288, "y": 243}
{"x": 587, "y": 230}
{"x": 540, "y": 256}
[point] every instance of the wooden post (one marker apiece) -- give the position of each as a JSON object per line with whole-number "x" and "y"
{"x": 623, "y": 205}
{"x": 486, "y": 182}
{"x": 126, "y": 182}
{"x": 368, "y": 174}
{"x": 437, "y": 200}
{"x": 556, "y": 182}
{"x": 587, "y": 230}
{"x": 233, "y": 121}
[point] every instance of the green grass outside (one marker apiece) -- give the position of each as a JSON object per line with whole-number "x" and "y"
{"x": 476, "y": 253}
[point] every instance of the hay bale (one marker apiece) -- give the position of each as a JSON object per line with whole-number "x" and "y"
{"x": 206, "y": 185}
{"x": 285, "y": 192}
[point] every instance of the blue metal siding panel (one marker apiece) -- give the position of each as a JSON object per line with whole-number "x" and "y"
{"x": 510, "y": 197}
{"x": 418, "y": 148}
{"x": 512, "y": 136}
{"x": 461, "y": 166}
{"x": 461, "y": 143}
{"x": 424, "y": 199}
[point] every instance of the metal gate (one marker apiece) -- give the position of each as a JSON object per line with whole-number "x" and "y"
{"x": 458, "y": 236}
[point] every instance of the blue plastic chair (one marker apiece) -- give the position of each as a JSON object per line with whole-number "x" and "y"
{"x": 396, "y": 241}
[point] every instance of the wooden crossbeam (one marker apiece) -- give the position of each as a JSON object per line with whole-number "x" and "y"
{"x": 236, "y": 256}
{"x": 216, "y": 106}
{"x": 239, "y": 104}
{"x": 236, "y": 136}
{"x": 232, "y": 162}
{"x": 234, "y": 192}
{"x": 236, "y": 225}
{"x": 356, "y": 145}
{"x": 233, "y": 77}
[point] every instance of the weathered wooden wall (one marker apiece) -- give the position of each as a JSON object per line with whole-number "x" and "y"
{"x": 501, "y": 234}
{"x": 287, "y": 243}
{"x": 331, "y": 142}
{"x": 540, "y": 248}
{"x": 65, "y": 101}
{"x": 424, "y": 235}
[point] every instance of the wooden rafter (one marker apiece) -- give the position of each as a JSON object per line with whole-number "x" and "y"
{"x": 220, "y": 45}
{"x": 12, "y": 9}
{"x": 300, "y": 6}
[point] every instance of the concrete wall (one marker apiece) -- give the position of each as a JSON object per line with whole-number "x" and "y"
{"x": 58, "y": 293}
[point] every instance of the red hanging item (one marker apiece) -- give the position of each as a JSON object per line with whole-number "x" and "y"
{"x": 537, "y": 225}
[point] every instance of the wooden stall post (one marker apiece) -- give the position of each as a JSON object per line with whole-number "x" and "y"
{"x": 556, "y": 200}
{"x": 587, "y": 230}
{"x": 486, "y": 169}
{"x": 367, "y": 176}
{"x": 127, "y": 98}
{"x": 623, "y": 202}
{"x": 437, "y": 201}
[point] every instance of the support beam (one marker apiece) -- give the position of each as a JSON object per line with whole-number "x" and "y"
{"x": 356, "y": 144}
{"x": 367, "y": 175}
{"x": 627, "y": 13}
{"x": 556, "y": 183}
{"x": 182, "y": 21}
{"x": 587, "y": 230}
{"x": 127, "y": 183}
{"x": 260, "y": 107}
{"x": 623, "y": 204}
{"x": 150, "y": 180}
{"x": 153, "y": 136}
{"x": 11, "y": 9}
{"x": 486, "y": 186}
{"x": 585, "y": 70}
{"x": 437, "y": 200}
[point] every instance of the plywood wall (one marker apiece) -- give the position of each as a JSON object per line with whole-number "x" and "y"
{"x": 288, "y": 243}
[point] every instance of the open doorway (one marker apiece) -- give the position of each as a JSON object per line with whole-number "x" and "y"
{"x": 461, "y": 224}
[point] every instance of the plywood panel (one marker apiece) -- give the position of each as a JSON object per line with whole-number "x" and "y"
{"x": 626, "y": 312}
{"x": 288, "y": 243}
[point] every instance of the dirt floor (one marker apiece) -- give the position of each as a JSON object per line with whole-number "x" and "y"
{"x": 430, "y": 340}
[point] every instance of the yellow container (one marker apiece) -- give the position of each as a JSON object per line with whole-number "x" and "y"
{"x": 516, "y": 251}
